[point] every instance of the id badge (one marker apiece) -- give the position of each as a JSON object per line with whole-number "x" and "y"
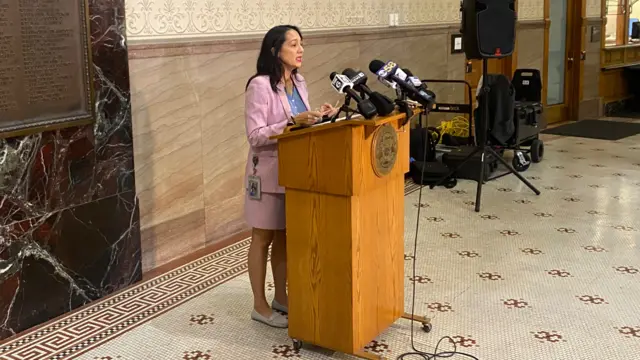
{"x": 254, "y": 187}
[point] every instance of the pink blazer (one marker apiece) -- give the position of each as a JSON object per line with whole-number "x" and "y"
{"x": 266, "y": 114}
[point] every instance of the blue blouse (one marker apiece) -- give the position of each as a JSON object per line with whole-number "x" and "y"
{"x": 296, "y": 103}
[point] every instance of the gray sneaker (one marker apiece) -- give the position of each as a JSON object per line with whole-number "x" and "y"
{"x": 277, "y": 306}
{"x": 275, "y": 320}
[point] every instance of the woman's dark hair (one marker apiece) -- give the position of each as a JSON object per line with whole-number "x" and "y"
{"x": 269, "y": 62}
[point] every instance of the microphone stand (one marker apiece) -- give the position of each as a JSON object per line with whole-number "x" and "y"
{"x": 401, "y": 101}
{"x": 482, "y": 147}
{"x": 349, "y": 112}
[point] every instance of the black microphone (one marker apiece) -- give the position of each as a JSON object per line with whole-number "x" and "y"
{"x": 392, "y": 72}
{"x": 343, "y": 85}
{"x": 383, "y": 104}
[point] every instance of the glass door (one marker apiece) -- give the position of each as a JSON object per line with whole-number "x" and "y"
{"x": 557, "y": 52}
{"x": 562, "y": 60}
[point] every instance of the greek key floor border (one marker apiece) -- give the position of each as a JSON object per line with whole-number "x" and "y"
{"x": 113, "y": 316}
{"x": 106, "y": 319}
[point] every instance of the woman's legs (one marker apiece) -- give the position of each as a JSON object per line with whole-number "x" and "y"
{"x": 258, "y": 252}
{"x": 279, "y": 266}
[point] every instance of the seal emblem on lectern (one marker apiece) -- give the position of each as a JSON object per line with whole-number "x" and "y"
{"x": 384, "y": 148}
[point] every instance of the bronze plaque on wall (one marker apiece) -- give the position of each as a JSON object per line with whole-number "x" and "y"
{"x": 45, "y": 74}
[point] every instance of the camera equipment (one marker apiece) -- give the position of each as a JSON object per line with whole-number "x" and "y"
{"x": 480, "y": 20}
{"x": 424, "y": 168}
{"x": 488, "y": 28}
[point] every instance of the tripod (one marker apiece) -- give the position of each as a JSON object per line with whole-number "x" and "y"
{"x": 348, "y": 111}
{"x": 483, "y": 148}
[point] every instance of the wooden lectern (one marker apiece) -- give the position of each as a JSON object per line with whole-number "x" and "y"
{"x": 344, "y": 186}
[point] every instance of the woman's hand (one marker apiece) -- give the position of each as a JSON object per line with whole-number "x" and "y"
{"x": 328, "y": 110}
{"x": 307, "y": 118}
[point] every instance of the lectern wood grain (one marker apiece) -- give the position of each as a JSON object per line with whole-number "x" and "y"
{"x": 336, "y": 158}
{"x": 319, "y": 257}
{"x": 345, "y": 225}
{"x": 377, "y": 260}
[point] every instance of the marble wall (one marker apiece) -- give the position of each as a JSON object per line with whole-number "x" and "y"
{"x": 530, "y": 50}
{"x": 69, "y": 231}
{"x": 530, "y": 47}
{"x": 591, "y": 103}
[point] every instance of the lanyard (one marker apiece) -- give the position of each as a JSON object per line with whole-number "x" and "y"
{"x": 255, "y": 163}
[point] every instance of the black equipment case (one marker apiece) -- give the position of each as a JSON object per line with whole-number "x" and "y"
{"x": 471, "y": 169}
{"x": 527, "y": 84}
{"x": 528, "y": 115}
{"x": 527, "y": 119}
{"x": 424, "y": 169}
{"x": 434, "y": 171}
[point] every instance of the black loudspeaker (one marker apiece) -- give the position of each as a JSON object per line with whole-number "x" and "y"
{"x": 488, "y": 28}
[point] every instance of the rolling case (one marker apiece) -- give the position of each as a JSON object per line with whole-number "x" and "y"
{"x": 433, "y": 172}
{"x": 471, "y": 169}
{"x": 527, "y": 116}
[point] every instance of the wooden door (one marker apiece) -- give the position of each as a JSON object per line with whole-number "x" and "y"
{"x": 564, "y": 36}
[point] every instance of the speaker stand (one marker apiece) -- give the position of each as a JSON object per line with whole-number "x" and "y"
{"x": 482, "y": 147}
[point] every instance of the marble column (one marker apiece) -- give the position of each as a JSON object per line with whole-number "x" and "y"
{"x": 69, "y": 219}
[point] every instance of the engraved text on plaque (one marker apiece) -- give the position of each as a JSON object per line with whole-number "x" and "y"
{"x": 44, "y": 63}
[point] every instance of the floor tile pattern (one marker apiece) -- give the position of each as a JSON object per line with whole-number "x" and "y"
{"x": 554, "y": 276}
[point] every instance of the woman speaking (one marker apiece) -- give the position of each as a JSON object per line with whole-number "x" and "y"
{"x": 276, "y": 96}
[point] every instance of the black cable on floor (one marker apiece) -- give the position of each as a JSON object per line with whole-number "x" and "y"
{"x": 416, "y": 352}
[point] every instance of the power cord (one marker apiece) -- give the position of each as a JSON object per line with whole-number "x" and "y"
{"x": 416, "y": 352}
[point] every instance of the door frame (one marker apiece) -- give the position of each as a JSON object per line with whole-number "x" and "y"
{"x": 574, "y": 66}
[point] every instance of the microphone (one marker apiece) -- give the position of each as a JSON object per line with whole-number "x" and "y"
{"x": 387, "y": 83}
{"x": 392, "y": 72}
{"x": 414, "y": 79}
{"x": 343, "y": 85}
{"x": 419, "y": 84}
{"x": 383, "y": 104}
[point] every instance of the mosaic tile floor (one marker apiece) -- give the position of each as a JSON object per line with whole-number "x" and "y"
{"x": 555, "y": 276}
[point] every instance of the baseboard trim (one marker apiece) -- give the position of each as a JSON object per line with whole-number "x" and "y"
{"x": 173, "y": 264}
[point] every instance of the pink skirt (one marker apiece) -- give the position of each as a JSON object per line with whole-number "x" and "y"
{"x": 266, "y": 213}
